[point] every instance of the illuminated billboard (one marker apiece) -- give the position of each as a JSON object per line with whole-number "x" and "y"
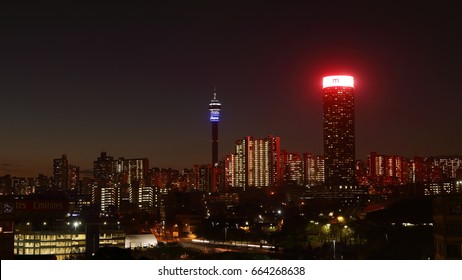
{"x": 214, "y": 116}
{"x": 29, "y": 205}
{"x": 337, "y": 81}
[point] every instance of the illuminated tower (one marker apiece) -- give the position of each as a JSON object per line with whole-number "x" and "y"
{"x": 214, "y": 108}
{"x": 339, "y": 132}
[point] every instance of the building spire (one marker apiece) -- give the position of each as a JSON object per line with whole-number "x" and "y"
{"x": 215, "y": 93}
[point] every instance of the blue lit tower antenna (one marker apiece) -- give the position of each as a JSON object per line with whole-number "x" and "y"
{"x": 214, "y": 108}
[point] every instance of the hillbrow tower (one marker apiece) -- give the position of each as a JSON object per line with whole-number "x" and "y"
{"x": 339, "y": 129}
{"x": 214, "y": 108}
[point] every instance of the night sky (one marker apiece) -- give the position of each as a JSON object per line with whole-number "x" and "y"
{"x": 135, "y": 81}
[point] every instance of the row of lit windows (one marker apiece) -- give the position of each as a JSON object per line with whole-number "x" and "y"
{"x": 47, "y": 251}
{"x": 43, "y": 237}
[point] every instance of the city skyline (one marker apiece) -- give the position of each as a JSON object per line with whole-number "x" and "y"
{"x": 137, "y": 84}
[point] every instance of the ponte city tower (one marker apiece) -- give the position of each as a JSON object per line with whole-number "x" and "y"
{"x": 214, "y": 108}
{"x": 339, "y": 129}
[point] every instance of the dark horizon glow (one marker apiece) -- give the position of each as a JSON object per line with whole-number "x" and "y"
{"x": 135, "y": 81}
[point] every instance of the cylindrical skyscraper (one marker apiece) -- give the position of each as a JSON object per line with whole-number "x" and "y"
{"x": 339, "y": 130}
{"x": 214, "y": 108}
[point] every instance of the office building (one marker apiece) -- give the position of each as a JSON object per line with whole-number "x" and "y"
{"x": 67, "y": 242}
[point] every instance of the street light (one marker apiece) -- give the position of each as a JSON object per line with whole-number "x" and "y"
{"x": 334, "y": 247}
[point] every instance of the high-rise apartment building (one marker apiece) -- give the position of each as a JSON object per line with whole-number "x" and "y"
{"x": 229, "y": 171}
{"x": 103, "y": 169}
{"x": 292, "y": 167}
{"x": 119, "y": 180}
{"x": 60, "y": 173}
{"x": 256, "y": 163}
{"x": 165, "y": 178}
{"x": 313, "y": 167}
{"x": 339, "y": 130}
{"x": 449, "y": 166}
{"x": 132, "y": 170}
{"x": 386, "y": 170}
{"x": 132, "y": 175}
{"x": 65, "y": 175}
